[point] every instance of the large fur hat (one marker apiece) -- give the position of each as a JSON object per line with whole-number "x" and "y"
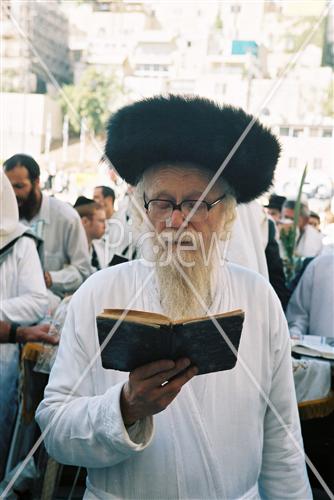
{"x": 192, "y": 130}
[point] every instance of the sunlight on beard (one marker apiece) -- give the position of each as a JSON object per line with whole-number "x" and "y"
{"x": 177, "y": 296}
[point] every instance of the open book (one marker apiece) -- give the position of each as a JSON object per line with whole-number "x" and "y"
{"x": 140, "y": 338}
{"x": 314, "y": 345}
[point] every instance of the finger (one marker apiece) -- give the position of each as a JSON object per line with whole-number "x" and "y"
{"x": 165, "y": 376}
{"x": 149, "y": 370}
{"x": 49, "y": 339}
{"x": 175, "y": 385}
{"x": 45, "y": 327}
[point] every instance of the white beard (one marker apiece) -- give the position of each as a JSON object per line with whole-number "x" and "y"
{"x": 185, "y": 290}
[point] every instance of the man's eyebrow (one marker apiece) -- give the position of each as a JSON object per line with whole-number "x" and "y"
{"x": 162, "y": 194}
{"x": 193, "y": 195}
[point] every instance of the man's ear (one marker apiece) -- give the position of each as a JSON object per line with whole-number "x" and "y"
{"x": 84, "y": 220}
{"x": 37, "y": 182}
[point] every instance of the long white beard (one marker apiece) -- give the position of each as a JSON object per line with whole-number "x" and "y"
{"x": 184, "y": 279}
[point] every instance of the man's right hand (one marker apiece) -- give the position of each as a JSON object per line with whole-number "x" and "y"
{"x": 152, "y": 387}
{"x": 37, "y": 333}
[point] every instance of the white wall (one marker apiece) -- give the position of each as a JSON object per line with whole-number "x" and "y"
{"x": 23, "y": 123}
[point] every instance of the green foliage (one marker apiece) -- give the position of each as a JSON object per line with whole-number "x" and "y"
{"x": 328, "y": 104}
{"x": 288, "y": 236}
{"x": 92, "y": 98}
{"x": 218, "y": 22}
{"x": 301, "y": 29}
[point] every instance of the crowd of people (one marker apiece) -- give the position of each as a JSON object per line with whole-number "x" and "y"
{"x": 49, "y": 249}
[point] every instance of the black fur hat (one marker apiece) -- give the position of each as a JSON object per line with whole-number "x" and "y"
{"x": 192, "y": 130}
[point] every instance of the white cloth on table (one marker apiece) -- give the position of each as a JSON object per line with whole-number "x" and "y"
{"x": 66, "y": 255}
{"x": 312, "y": 378}
{"x": 218, "y": 438}
{"x": 310, "y": 309}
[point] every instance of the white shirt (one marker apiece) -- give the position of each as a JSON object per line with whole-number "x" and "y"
{"x": 249, "y": 238}
{"x": 217, "y": 439}
{"x": 23, "y": 297}
{"x": 311, "y": 307}
{"x": 310, "y": 243}
{"x": 66, "y": 254}
{"x": 117, "y": 238}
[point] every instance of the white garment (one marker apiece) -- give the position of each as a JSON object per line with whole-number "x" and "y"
{"x": 310, "y": 243}
{"x": 217, "y": 440}
{"x": 311, "y": 307}
{"x": 10, "y": 228}
{"x": 66, "y": 254}
{"x": 116, "y": 239}
{"x": 23, "y": 297}
{"x": 249, "y": 238}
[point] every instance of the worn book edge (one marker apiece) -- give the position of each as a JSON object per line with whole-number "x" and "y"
{"x": 149, "y": 318}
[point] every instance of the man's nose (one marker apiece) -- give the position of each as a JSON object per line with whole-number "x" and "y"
{"x": 176, "y": 219}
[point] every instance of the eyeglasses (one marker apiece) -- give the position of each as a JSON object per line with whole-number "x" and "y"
{"x": 162, "y": 210}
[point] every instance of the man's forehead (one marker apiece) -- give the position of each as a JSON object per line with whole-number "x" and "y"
{"x": 19, "y": 172}
{"x": 171, "y": 177}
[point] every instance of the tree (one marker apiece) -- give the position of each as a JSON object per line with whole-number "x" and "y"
{"x": 92, "y": 98}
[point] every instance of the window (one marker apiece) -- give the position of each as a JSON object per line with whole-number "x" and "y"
{"x": 293, "y": 162}
{"x": 297, "y": 132}
{"x": 327, "y": 132}
{"x": 235, "y": 8}
{"x": 284, "y": 131}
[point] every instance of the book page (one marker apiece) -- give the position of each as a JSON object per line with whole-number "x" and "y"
{"x": 151, "y": 318}
{"x": 236, "y": 312}
{"x": 314, "y": 345}
{"x": 134, "y": 316}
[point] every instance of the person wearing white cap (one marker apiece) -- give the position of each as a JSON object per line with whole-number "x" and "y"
{"x": 23, "y": 302}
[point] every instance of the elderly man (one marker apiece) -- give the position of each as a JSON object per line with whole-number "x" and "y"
{"x": 66, "y": 259}
{"x": 160, "y": 431}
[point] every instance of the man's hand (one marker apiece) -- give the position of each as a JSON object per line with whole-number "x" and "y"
{"x": 37, "y": 333}
{"x": 47, "y": 279}
{"x": 152, "y": 387}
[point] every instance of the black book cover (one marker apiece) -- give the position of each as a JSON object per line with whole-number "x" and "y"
{"x": 134, "y": 344}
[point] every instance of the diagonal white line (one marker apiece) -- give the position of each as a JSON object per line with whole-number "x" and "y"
{"x": 213, "y": 180}
{"x": 54, "y": 81}
{"x": 255, "y": 382}
{"x": 268, "y": 97}
{"x": 69, "y": 396}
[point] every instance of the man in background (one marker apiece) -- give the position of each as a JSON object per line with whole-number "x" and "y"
{"x": 274, "y": 206}
{"x": 309, "y": 242}
{"x": 65, "y": 257}
{"x": 314, "y": 220}
{"x": 116, "y": 237}
{"x": 93, "y": 219}
{"x": 23, "y": 302}
{"x": 310, "y": 310}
